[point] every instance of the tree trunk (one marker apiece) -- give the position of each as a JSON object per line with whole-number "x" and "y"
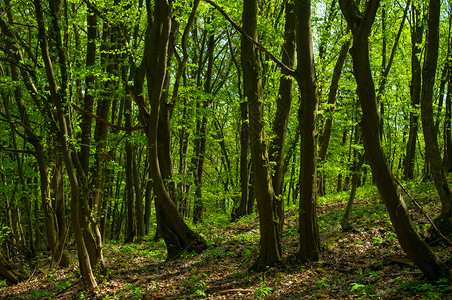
{"x": 177, "y": 235}
{"x": 430, "y": 133}
{"x": 415, "y": 93}
{"x": 309, "y": 231}
{"x": 345, "y": 224}
{"x": 283, "y": 107}
{"x": 409, "y": 239}
{"x": 200, "y": 143}
{"x": 325, "y": 137}
{"x": 131, "y": 227}
{"x": 148, "y": 207}
{"x": 59, "y": 207}
{"x": 243, "y": 208}
{"x": 448, "y": 142}
{"x": 139, "y": 195}
{"x": 88, "y": 101}
{"x": 270, "y": 244}
{"x": 7, "y": 272}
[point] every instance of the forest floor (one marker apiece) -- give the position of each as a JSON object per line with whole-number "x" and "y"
{"x": 366, "y": 263}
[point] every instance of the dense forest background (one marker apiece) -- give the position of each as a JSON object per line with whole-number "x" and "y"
{"x": 137, "y": 121}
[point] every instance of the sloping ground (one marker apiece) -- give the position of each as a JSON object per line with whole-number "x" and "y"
{"x": 367, "y": 263}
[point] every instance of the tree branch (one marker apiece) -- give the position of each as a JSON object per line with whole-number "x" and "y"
{"x": 284, "y": 68}
{"x": 119, "y": 128}
{"x": 17, "y": 150}
{"x": 445, "y": 239}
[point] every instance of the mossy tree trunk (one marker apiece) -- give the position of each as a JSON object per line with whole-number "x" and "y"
{"x": 270, "y": 244}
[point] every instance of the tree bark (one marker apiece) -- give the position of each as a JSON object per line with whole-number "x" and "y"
{"x": 88, "y": 101}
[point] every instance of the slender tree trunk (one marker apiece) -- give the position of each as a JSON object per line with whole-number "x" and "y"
{"x": 345, "y": 224}
{"x": 415, "y": 247}
{"x": 430, "y": 133}
{"x": 131, "y": 227}
{"x": 417, "y": 31}
{"x": 283, "y": 107}
{"x": 59, "y": 208}
{"x": 325, "y": 137}
{"x": 148, "y": 207}
{"x": 200, "y": 146}
{"x": 139, "y": 206}
{"x": 448, "y": 142}
{"x": 309, "y": 231}
{"x": 88, "y": 101}
{"x": 243, "y": 208}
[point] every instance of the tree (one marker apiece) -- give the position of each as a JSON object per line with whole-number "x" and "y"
{"x": 422, "y": 255}
{"x": 177, "y": 235}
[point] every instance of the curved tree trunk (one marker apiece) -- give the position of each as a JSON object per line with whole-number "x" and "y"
{"x": 177, "y": 235}
{"x": 7, "y": 272}
{"x": 415, "y": 247}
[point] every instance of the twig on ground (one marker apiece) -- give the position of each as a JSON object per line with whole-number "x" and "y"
{"x": 231, "y": 291}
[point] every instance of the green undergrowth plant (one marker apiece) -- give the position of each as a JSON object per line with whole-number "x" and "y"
{"x": 41, "y": 294}
{"x": 197, "y": 283}
{"x": 424, "y": 290}
{"x": 263, "y": 290}
{"x": 136, "y": 291}
{"x": 359, "y": 289}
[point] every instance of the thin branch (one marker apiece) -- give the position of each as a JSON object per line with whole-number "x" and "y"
{"x": 391, "y": 58}
{"x": 105, "y": 121}
{"x": 284, "y": 68}
{"x": 16, "y": 150}
{"x": 425, "y": 214}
